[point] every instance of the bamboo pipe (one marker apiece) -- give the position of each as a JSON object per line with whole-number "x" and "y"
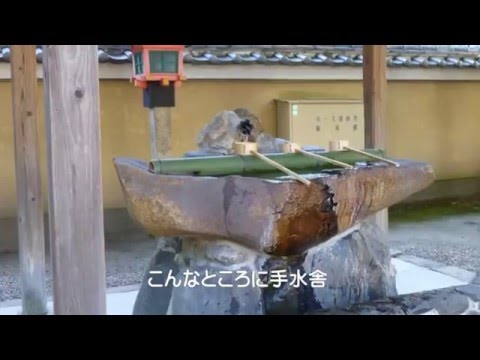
{"x": 249, "y": 148}
{"x": 248, "y": 164}
{"x": 372, "y": 156}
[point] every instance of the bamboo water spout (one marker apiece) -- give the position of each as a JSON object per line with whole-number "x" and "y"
{"x": 251, "y": 166}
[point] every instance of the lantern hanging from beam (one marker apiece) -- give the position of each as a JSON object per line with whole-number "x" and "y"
{"x": 158, "y": 70}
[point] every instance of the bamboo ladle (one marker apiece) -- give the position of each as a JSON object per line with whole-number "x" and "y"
{"x": 338, "y": 145}
{"x": 372, "y": 156}
{"x": 250, "y": 148}
{"x": 292, "y": 148}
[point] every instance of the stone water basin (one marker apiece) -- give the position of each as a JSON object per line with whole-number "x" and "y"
{"x": 276, "y": 215}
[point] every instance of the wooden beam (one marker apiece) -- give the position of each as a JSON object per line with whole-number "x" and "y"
{"x": 375, "y": 100}
{"x": 28, "y": 179}
{"x": 375, "y": 95}
{"x": 75, "y": 179}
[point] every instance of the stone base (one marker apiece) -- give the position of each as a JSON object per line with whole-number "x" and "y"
{"x": 205, "y": 277}
{"x": 459, "y": 300}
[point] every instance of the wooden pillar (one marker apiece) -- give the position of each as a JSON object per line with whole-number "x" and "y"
{"x": 75, "y": 179}
{"x": 160, "y": 131}
{"x": 375, "y": 100}
{"x": 28, "y": 179}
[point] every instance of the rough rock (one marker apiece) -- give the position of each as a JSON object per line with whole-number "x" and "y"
{"x": 245, "y": 114}
{"x": 476, "y": 280}
{"x": 460, "y": 300}
{"x": 155, "y": 300}
{"x": 358, "y": 266}
{"x": 269, "y": 144}
{"x": 218, "y": 136}
{"x": 364, "y": 273}
{"x": 195, "y": 276}
{"x": 471, "y": 290}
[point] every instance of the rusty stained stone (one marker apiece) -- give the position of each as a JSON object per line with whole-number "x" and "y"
{"x": 280, "y": 218}
{"x": 365, "y": 191}
{"x": 307, "y": 218}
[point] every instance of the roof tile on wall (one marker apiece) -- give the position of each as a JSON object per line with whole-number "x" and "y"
{"x": 440, "y": 56}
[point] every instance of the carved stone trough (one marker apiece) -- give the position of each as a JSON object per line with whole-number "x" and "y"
{"x": 276, "y": 217}
{"x": 260, "y": 221}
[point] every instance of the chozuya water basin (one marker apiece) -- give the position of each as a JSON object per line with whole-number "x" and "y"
{"x": 272, "y": 214}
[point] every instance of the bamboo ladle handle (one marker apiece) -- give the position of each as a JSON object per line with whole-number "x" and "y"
{"x": 324, "y": 158}
{"x": 280, "y": 167}
{"x": 290, "y": 147}
{"x": 372, "y": 156}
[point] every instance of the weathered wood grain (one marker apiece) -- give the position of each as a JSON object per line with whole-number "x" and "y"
{"x": 75, "y": 179}
{"x": 375, "y": 95}
{"x": 28, "y": 179}
{"x": 375, "y": 100}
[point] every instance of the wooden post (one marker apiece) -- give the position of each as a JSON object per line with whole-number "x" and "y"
{"x": 75, "y": 179}
{"x": 375, "y": 100}
{"x": 160, "y": 131}
{"x": 28, "y": 179}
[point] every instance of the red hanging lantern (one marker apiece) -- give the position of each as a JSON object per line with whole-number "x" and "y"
{"x": 158, "y": 63}
{"x": 158, "y": 70}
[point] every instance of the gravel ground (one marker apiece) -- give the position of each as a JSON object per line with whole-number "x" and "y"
{"x": 464, "y": 257}
{"x": 452, "y": 240}
{"x": 125, "y": 262}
